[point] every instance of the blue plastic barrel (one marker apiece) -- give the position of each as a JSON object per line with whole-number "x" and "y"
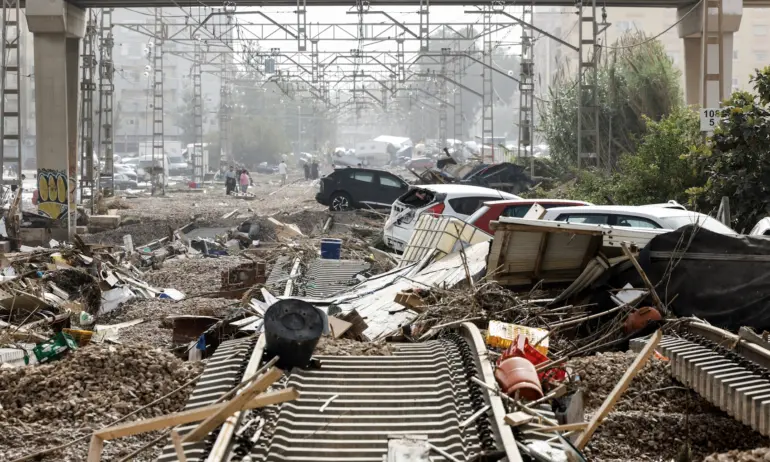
{"x": 331, "y": 248}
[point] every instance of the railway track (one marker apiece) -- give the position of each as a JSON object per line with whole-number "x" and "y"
{"x": 422, "y": 389}
{"x": 727, "y": 371}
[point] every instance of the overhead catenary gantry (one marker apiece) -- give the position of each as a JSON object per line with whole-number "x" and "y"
{"x": 88, "y": 64}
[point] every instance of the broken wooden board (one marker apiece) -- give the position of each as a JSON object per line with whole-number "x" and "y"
{"x": 609, "y": 402}
{"x": 338, "y": 326}
{"x": 410, "y": 300}
{"x": 285, "y": 230}
{"x": 515, "y": 419}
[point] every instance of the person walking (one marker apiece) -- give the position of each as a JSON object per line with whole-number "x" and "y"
{"x": 244, "y": 181}
{"x": 229, "y": 181}
{"x": 314, "y": 170}
{"x": 283, "y": 171}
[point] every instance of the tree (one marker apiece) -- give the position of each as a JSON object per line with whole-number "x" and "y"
{"x": 663, "y": 167}
{"x": 635, "y": 79}
{"x": 738, "y": 165}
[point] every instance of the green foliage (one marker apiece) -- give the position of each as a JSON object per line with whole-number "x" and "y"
{"x": 257, "y": 139}
{"x": 739, "y": 163}
{"x": 634, "y": 79}
{"x": 663, "y": 167}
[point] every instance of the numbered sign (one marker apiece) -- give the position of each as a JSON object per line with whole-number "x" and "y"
{"x": 709, "y": 117}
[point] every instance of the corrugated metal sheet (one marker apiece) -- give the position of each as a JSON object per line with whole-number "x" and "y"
{"x": 374, "y": 299}
{"x": 279, "y": 274}
{"x": 325, "y": 278}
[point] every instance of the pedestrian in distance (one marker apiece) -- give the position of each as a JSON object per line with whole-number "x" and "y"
{"x": 244, "y": 181}
{"x": 283, "y": 171}
{"x": 314, "y": 170}
{"x": 306, "y": 168}
{"x": 230, "y": 181}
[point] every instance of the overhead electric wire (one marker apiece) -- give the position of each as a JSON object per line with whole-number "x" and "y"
{"x": 655, "y": 37}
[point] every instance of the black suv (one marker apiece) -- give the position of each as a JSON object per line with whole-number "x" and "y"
{"x": 348, "y": 188}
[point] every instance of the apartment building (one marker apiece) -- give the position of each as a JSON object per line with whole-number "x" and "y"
{"x": 133, "y": 81}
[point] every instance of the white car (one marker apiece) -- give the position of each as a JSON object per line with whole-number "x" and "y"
{"x": 454, "y": 200}
{"x": 643, "y": 216}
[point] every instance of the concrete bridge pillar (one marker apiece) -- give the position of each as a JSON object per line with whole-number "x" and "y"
{"x": 57, "y": 28}
{"x": 691, "y": 30}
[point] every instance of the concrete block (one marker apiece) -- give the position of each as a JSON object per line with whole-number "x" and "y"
{"x": 104, "y": 221}
{"x": 35, "y": 236}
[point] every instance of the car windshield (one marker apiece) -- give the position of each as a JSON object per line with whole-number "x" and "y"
{"x": 176, "y": 159}
{"x": 703, "y": 220}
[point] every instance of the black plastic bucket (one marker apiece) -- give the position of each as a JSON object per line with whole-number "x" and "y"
{"x": 292, "y": 330}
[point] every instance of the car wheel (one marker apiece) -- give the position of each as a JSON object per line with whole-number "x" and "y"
{"x": 340, "y": 202}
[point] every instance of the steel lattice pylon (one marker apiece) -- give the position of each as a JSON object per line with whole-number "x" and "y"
{"x": 197, "y": 152}
{"x": 106, "y": 97}
{"x": 488, "y": 91}
{"x": 442, "y": 91}
{"x": 88, "y": 172}
{"x": 588, "y": 104}
{"x": 10, "y": 87}
{"x": 158, "y": 147}
{"x": 459, "y": 71}
{"x": 526, "y": 88}
{"x": 225, "y": 91}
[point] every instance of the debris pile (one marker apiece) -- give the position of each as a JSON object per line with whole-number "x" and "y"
{"x": 98, "y": 382}
{"x": 568, "y": 332}
{"x": 754, "y": 455}
{"x": 90, "y": 388}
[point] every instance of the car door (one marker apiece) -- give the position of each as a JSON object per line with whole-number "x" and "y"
{"x": 390, "y": 188}
{"x": 362, "y": 187}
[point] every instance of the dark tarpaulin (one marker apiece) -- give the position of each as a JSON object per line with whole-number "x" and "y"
{"x": 722, "y": 279}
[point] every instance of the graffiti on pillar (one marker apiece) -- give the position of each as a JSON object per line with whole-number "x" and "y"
{"x": 52, "y": 193}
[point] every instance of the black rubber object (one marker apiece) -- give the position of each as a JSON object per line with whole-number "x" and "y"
{"x": 292, "y": 330}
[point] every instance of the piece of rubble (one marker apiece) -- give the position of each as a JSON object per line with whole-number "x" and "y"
{"x": 328, "y": 346}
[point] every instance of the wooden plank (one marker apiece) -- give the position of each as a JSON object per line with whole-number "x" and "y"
{"x": 185, "y": 417}
{"x": 658, "y": 304}
{"x": 543, "y": 229}
{"x": 338, "y": 326}
{"x": 178, "y": 448}
{"x": 557, "y": 428}
{"x": 515, "y": 419}
{"x": 542, "y": 247}
{"x": 410, "y": 300}
{"x": 95, "y": 449}
{"x": 609, "y": 402}
{"x": 233, "y": 406}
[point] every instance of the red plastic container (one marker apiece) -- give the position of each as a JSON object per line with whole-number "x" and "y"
{"x": 519, "y": 375}
{"x": 520, "y": 348}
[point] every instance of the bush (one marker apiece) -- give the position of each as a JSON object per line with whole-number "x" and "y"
{"x": 738, "y": 165}
{"x": 634, "y": 81}
{"x": 662, "y": 169}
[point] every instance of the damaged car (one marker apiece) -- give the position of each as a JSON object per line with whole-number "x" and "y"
{"x": 454, "y": 200}
{"x": 351, "y": 188}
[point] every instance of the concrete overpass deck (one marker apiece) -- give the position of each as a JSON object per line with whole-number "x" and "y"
{"x": 376, "y": 3}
